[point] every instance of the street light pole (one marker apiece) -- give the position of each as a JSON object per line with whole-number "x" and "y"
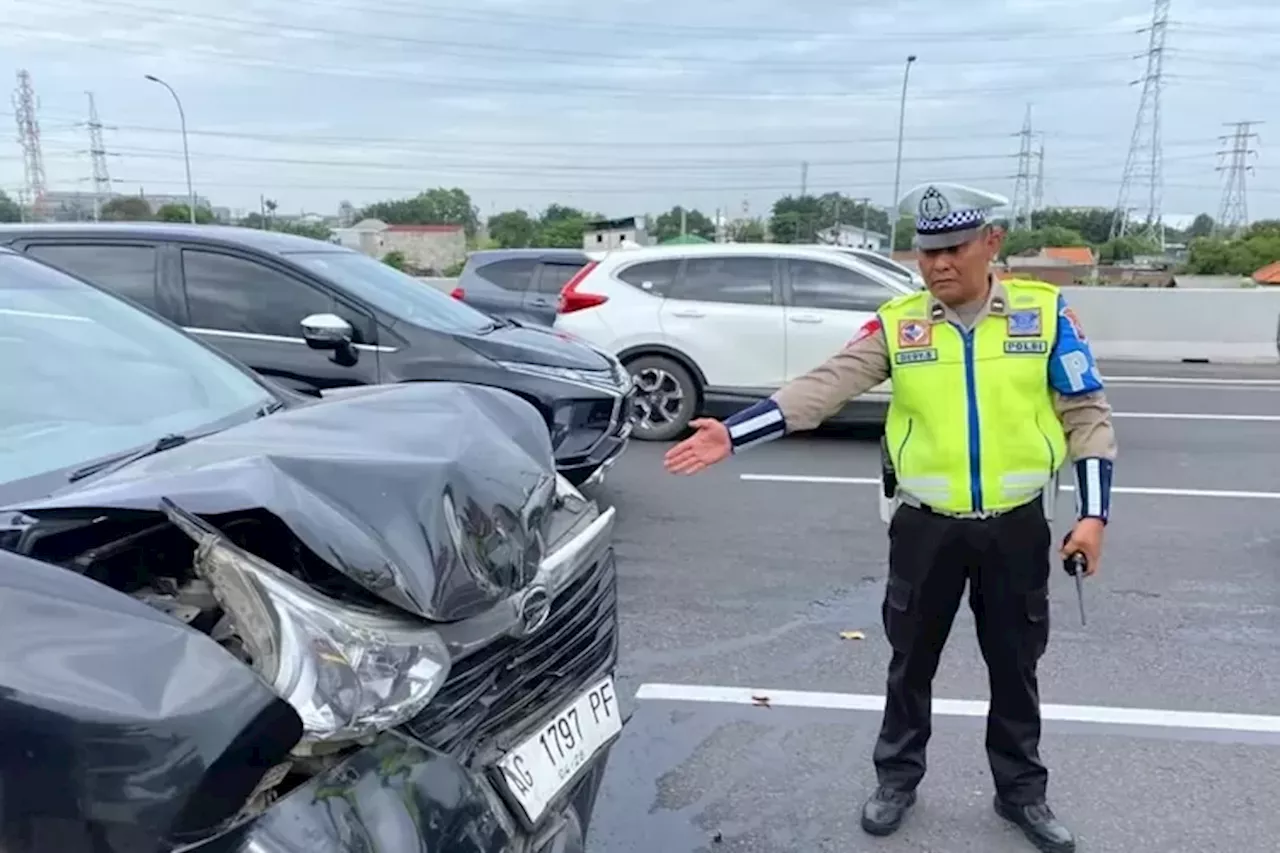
{"x": 897, "y": 169}
{"x": 186, "y": 152}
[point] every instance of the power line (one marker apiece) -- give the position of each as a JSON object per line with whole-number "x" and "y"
{"x": 1233, "y": 215}
{"x": 1145, "y": 143}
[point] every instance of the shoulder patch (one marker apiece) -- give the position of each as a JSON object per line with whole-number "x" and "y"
{"x": 869, "y": 328}
{"x": 1071, "y": 318}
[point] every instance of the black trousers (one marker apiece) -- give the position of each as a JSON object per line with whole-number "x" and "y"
{"x": 1005, "y": 560}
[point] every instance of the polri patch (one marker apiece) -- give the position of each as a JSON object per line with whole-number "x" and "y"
{"x": 914, "y": 333}
{"x": 915, "y": 356}
{"x": 1025, "y": 323}
{"x": 1026, "y": 347}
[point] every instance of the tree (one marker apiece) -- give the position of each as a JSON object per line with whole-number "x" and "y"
{"x": 432, "y": 207}
{"x": 904, "y": 240}
{"x": 1259, "y": 247}
{"x": 695, "y": 222}
{"x": 395, "y": 259}
{"x": 747, "y": 231}
{"x": 562, "y": 227}
{"x": 1091, "y": 223}
{"x": 798, "y": 219}
{"x": 1202, "y": 226}
{"x": 129, "y": 208}
{"x": 513, "y": 229}
{"x": 182, "y": 213}
{"x": 1018, "y": 242}
{"x": 9, "y": 209}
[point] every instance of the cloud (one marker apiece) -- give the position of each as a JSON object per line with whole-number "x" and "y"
{"x": 631, "y": 106}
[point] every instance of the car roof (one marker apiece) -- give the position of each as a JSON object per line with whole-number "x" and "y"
{"x": 493, "y": 255}
{"x": 274, "y": 242}
{"x": 715, "y": 250}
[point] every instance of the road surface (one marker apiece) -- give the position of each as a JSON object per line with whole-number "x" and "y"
{"x": 738, "y": 583}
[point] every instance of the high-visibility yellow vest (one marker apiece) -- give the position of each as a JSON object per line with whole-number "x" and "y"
{"x": 971, "y": 424}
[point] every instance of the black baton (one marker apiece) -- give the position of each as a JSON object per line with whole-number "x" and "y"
{"x": 1075, "y": 565}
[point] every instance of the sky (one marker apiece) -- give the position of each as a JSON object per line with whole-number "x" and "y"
{"x": 629, "y": 107}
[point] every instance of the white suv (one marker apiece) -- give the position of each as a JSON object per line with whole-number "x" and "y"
{"x": 711, "y": 328}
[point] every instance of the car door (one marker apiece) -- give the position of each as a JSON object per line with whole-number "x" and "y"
{"x": 499, "y": 287}
{"x": 725, "y": 313}
{"x": 543, "y": 296}
{"x": 127, "y": 268}
{"x": 826, "y": 304}
{"x": 252, "y": 310}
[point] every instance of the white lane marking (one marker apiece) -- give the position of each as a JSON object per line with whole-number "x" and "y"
{"x": 1192, "y": 416}
{"x": 1119, "y": 490}
{"x": 1146, "y": 717}
{"x": 1184, "y": 380}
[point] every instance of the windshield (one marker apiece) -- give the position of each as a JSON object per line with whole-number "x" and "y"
{"x": 89, "y": 376}
{"x": 390, "y": 290}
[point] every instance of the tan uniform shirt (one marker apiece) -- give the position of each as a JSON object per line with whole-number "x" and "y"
{"x": 863, "y": 364}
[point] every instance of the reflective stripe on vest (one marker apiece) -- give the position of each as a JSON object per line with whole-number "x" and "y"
{"x": 971, "y": 424}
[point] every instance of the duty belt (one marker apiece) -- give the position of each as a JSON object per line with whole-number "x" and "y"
{"x": 910, "y": 500}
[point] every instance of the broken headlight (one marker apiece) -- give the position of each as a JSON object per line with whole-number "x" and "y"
{"x": 349, "y": 672}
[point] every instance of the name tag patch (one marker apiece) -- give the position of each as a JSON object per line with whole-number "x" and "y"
{"x": 915, "y": 356}
{"x": 1025, "y": 324}
{"x": 1026, "y": 347}
{"x": 914, "y": 333}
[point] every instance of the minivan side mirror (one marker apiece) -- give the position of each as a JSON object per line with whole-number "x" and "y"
{"x": 327, "y": 331}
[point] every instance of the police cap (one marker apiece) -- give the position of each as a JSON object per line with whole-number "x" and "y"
{"x": 948, "y": 214}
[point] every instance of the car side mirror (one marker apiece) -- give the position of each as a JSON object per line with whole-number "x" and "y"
{"x": 327, "y": 331}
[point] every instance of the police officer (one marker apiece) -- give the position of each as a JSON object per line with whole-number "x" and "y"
{"x": 994, "y": 385}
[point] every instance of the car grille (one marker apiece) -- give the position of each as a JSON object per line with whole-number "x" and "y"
{"x": 511, "y": 680}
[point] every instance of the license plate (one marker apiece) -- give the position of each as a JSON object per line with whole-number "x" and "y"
{"x": 538, "y": 770}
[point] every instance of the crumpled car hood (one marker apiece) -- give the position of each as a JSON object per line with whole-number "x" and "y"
{"x": 433, "y": 496}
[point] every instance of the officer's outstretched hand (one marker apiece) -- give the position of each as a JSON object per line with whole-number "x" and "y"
{"x": 709, "y": 445}
{"x": 1086, "y": 538}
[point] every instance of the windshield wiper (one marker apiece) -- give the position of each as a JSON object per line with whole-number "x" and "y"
{"x": 269, "y": 409}
{"x": 165, "y": 442}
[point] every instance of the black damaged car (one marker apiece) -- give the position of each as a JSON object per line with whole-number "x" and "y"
{"x": 237, "y": 621}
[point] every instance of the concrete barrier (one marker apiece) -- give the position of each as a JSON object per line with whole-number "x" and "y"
{"x": 1177, "y": 324}
{"x": 1165, "y": 324}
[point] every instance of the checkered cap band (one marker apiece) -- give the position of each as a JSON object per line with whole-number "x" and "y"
{"x": 956, "y": 220}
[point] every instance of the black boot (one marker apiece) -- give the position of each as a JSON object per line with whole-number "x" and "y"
{"x": 1039, "y": 824}
{"x": 883, "y": 812}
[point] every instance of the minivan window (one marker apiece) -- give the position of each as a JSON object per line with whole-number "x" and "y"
{"x": 514, "y": 274}
{"x": 88, "y": 375}
{"x": 742, "y": 281}
{"x": 554, "y": 276}
{"x": 129, "y": 271}
{"x": 391, "y": 291}
{"x": 231, "y": 294}
{"x": 654, "y": 277}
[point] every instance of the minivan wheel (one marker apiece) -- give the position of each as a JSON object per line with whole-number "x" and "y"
{"x": 666, "y": 399}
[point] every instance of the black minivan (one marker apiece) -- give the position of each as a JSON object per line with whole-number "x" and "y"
{"x": 317, "y": 317}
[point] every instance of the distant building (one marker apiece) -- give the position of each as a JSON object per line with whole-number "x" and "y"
{"x": 427, "y": 249}
{"x": 853, "y": 237}
{"x": 606, "y": 234}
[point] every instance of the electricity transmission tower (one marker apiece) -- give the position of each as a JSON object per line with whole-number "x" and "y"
{"x": 1144, "y": 166}
{"x": 1022, "y": 183}
{"x": 98, "y": 157}
{"x": 1233, "y": 215}
{"x": 1037, "y": 201}
{"x": 24, "y": 109}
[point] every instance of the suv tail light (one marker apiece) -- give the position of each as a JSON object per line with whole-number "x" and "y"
{"x": 458, "y": 293}
{"x": 572, "y": 299}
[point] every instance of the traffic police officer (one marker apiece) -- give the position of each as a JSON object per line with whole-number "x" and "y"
{"x": 993, "y": 386}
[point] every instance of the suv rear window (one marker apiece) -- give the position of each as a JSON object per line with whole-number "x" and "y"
{"x": 654, "y": 277}
{"x": 555, "y": 276}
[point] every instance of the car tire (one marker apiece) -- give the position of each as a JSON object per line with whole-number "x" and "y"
{"x": 667, "y": 397}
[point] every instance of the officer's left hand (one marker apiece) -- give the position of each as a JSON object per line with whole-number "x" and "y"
{"x": 1086, "y": 538}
